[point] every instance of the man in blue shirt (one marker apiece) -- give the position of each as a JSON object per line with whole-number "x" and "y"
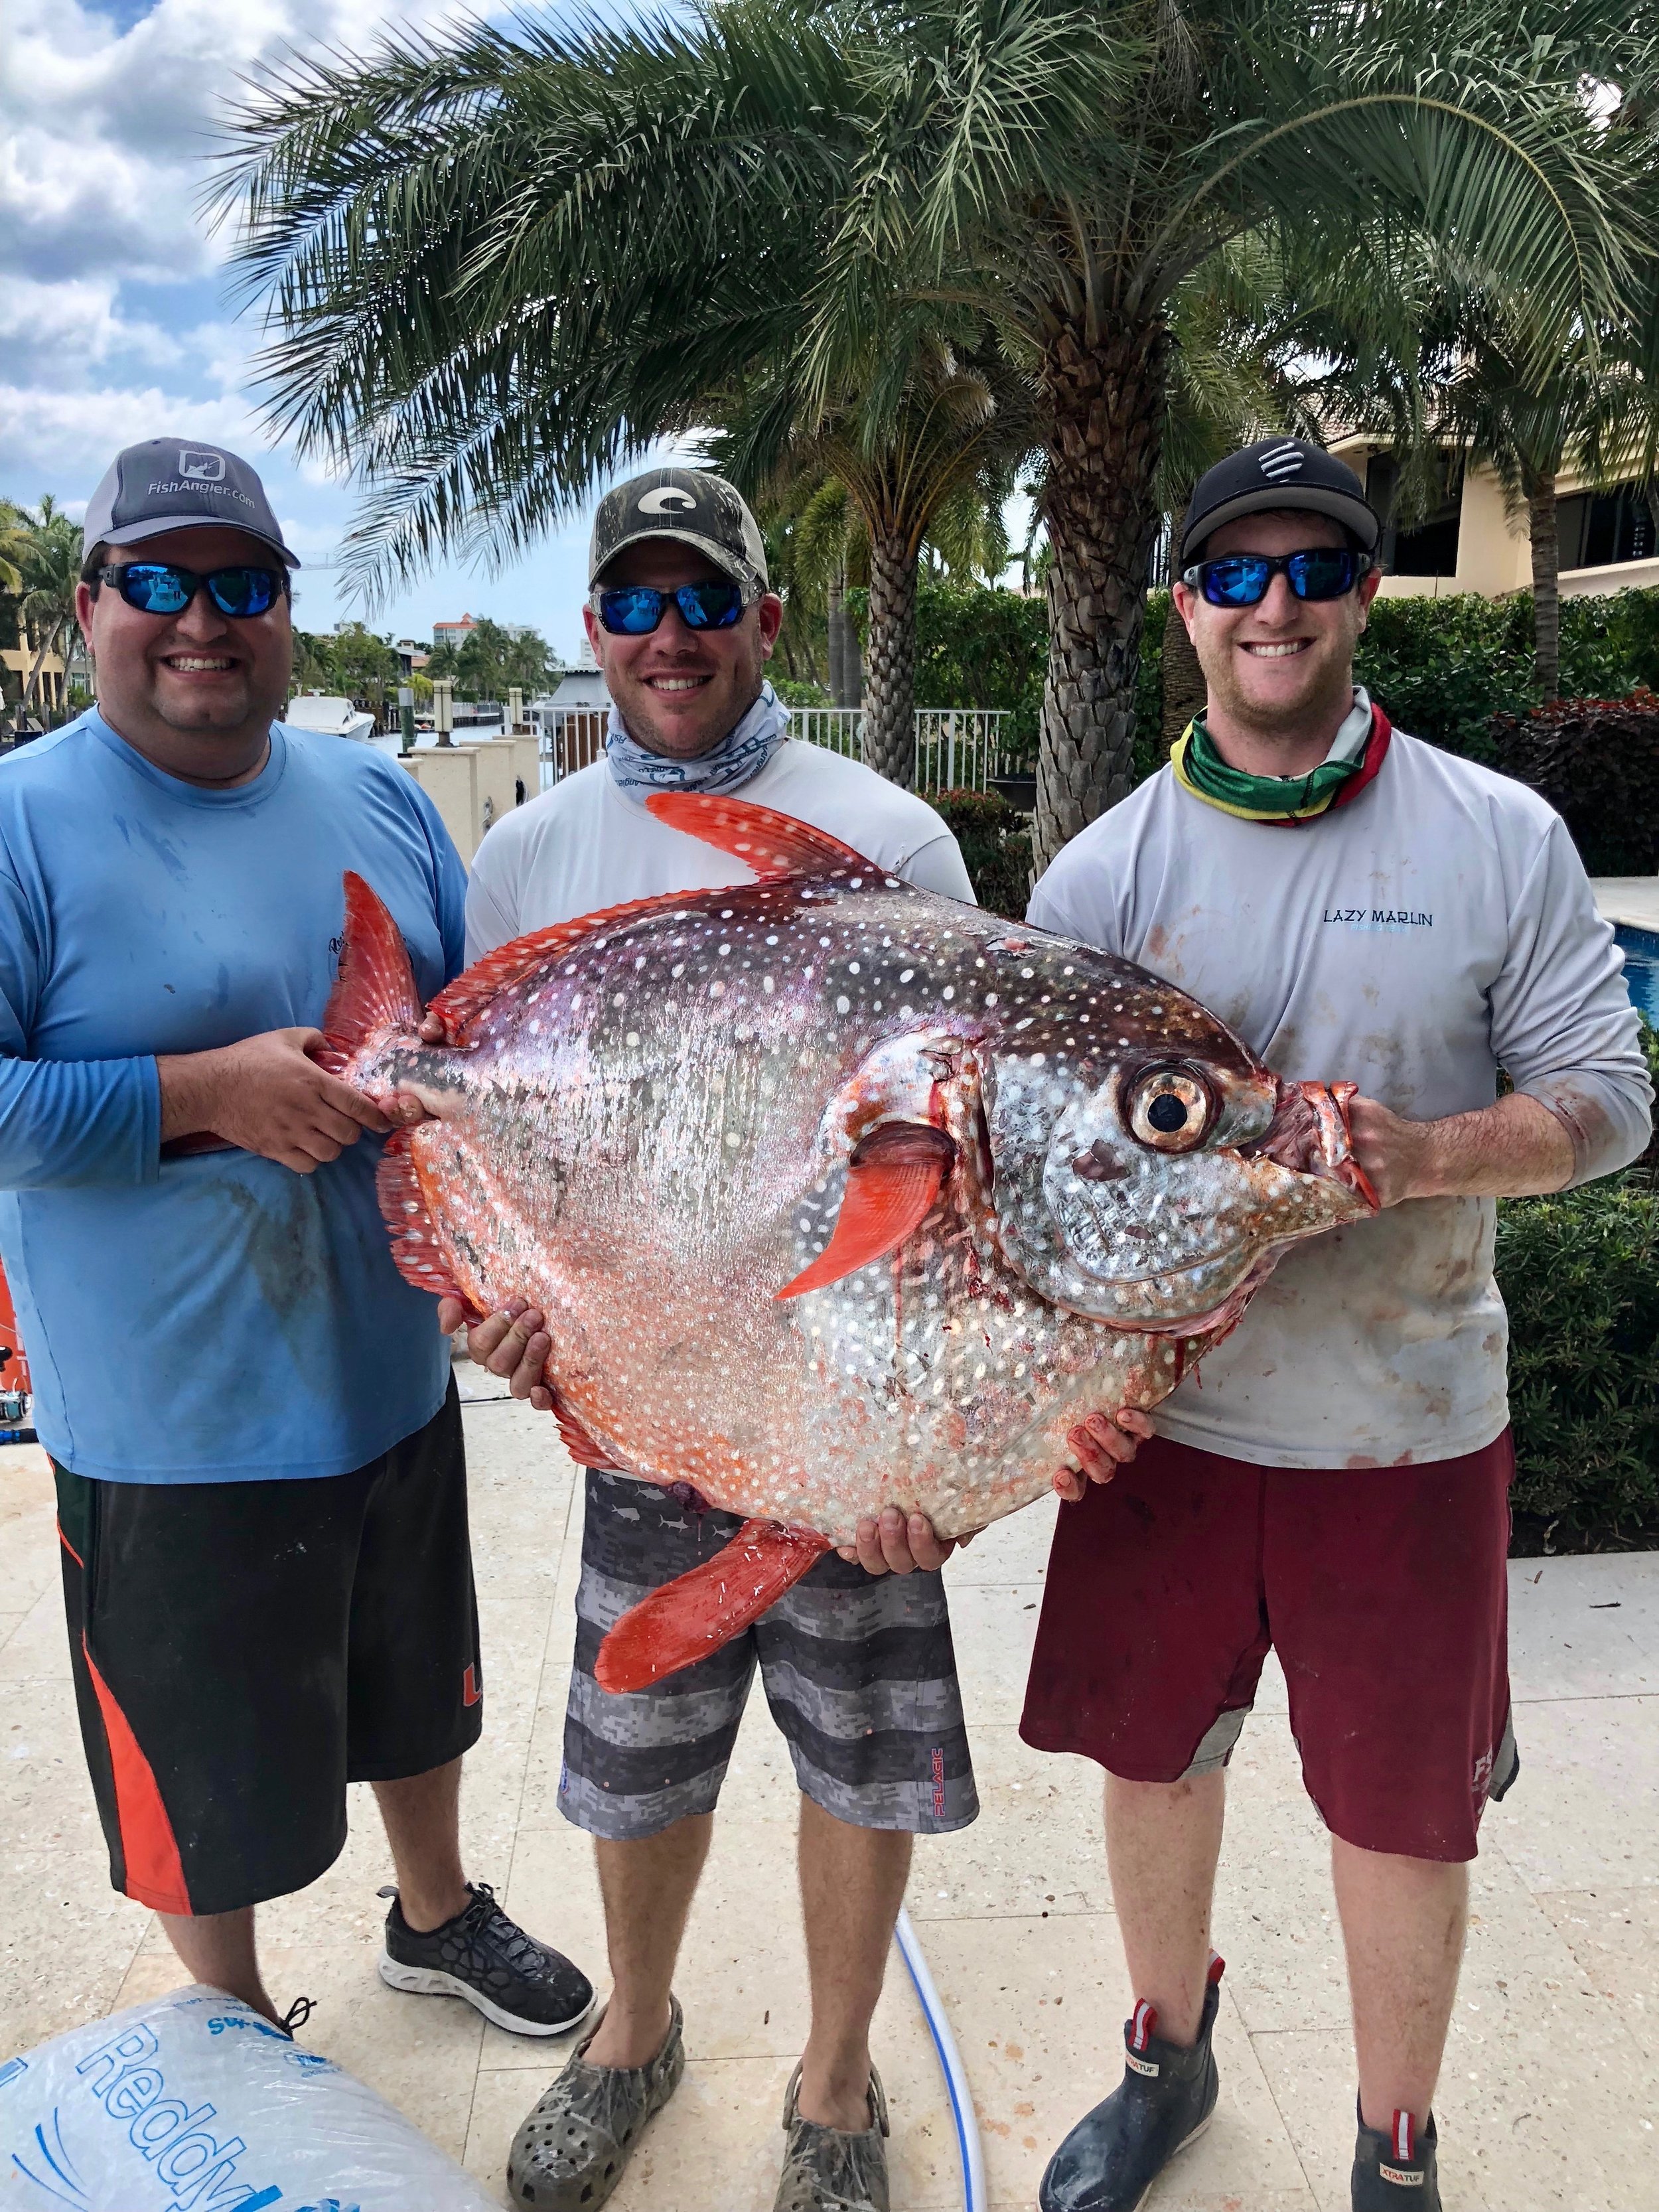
{"x": 261, "y": 1486}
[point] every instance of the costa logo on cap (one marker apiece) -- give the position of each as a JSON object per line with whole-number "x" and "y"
{"x": 668, "y": 499}
{"x": 201, "y": 467}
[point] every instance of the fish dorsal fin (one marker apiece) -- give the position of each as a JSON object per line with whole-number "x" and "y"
{"x": 770, "y": 843}
{"x": 459, "y": 1004}
{"x": 375, "y": 986}
{"x": 692, "y": 1616}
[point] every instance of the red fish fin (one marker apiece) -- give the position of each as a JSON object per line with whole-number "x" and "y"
{"x": 695, "y": 1614}
{"x": 459, "y": 1003}
{"x": 895, "y": 1174}
{"x": 416, "y": 1251}
{"x": 770, "y": 843}
{"x": 375, "y": 986}
{"x": 581, "y": 1447}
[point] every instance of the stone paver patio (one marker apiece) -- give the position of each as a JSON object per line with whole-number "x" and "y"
{"x": 1549, "y": 2093}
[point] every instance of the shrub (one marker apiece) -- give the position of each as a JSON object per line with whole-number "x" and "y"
{"x": 1579, "y": 1272}
{"x": 995, "y": 846}
{"x": 1596, "y": 761}
{"x": 1580, "y": 1276}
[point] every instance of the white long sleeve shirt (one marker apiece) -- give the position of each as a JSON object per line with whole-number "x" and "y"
{"x": 586, "y": 844}
{"x": 1438, "y": 927}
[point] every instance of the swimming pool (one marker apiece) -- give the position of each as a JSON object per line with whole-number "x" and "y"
{"x": 1641, "y": 951}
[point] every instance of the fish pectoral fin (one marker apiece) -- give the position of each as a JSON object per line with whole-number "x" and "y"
{"x": 770, "y": 843}
{"x": 375, "y": 986}
{"x": 416, "y": 1251}
{"x": 894, "y": 1175}
{"x": 697, "y": 1613}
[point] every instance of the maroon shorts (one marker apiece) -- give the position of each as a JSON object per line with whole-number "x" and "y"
{"x": 1383, "y": 1591}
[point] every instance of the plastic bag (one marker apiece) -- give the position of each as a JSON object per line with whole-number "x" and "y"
{"x": 193, "y": 2103}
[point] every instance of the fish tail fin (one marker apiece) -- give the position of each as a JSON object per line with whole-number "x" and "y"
{"x": 694, "y": 1615}
{"x": 375, "y": 986}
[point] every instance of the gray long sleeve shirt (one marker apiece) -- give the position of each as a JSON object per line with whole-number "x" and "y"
{"x": 1439, "y": 928}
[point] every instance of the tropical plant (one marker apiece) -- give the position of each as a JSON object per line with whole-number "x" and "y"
{"x": 473, "y": 312}
{"x": 51, "y": 571}
{"x": 922, "y": 441}
{"x": 13, "y": 546}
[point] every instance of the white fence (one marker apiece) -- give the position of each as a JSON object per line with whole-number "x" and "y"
{"x": 957, "y": 748}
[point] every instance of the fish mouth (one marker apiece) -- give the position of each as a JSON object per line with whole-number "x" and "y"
{"x": 1309, "y": 1135}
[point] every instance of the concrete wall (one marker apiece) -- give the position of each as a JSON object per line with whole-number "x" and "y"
{"x": 473, "y": 785}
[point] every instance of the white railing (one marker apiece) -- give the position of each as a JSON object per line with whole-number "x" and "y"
{"x": 957, "y": 748}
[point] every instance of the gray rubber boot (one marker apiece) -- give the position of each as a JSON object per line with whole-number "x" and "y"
{"x": 572, "y": 2150}
{"x": 1394, "y": 2171}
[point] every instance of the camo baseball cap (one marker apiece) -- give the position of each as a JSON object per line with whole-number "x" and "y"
{"x": 1276, "y": 473}
{"x": 686, "y": 504}
{"x": 168, "y": 484}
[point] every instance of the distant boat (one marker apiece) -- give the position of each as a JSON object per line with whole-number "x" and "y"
{"x": 339, "y": 718}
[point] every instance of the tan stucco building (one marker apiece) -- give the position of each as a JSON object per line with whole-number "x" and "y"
{"x": 1608, "y": 540}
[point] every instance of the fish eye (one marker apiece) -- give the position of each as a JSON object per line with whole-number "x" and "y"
{"x": 1170, "y": 1109}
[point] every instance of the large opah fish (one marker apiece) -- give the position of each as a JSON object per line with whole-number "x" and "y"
{"x": 835, "y": 1193}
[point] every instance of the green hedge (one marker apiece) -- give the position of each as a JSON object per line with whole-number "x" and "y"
{"x": 996, "y": 845}
{"x": 1580, "y": 1276}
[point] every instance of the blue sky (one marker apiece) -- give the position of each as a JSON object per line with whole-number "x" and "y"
{"x": 115, "y": 319}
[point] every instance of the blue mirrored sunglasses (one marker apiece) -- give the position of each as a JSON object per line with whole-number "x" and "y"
{"x": 158, "y": 588}
{"x": 1241, "y": 579}
{"x": 636, "y": 610}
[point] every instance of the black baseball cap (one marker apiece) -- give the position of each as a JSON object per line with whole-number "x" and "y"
{"x": 687, "y": 504}
{"x": 1276, "y": 473}
{"x": 170, "y": 484}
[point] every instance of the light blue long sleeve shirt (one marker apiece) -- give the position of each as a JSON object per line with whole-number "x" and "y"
{"x": 216, "y": 1317}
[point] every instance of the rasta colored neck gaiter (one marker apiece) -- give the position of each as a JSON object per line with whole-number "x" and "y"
{"x": 1282, "y": 801}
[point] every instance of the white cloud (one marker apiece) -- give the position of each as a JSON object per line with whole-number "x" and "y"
{"x": 64, "y": 436}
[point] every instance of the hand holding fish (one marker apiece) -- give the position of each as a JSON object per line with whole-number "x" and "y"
{"x": 265, "y": 1095}
{"x": 1104, "y": 1443}
{"x": 1517, "y": 1147}
{"x": 513, "y": 1344}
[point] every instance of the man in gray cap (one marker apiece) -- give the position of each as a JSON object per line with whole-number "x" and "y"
{"x": 856, "y": 1659}
{"x": 261, "y": 1483}
{"x": 1362, "y": 906}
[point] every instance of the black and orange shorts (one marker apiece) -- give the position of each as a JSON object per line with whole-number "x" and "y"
{"x": 1384, "y": 1591}
{"x": 244, "y": 1650}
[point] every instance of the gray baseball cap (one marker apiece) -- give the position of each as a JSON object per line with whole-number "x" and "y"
{"x": 687, "y": 504}
{"x": 168, "y": 484}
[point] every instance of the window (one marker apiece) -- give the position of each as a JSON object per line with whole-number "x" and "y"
{"x": 1428, "y": 547}
{"x": 1598, "y": 528}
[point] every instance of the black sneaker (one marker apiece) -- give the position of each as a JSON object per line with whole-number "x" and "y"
{"x": 1394, "y": 2171}
{"x": 1114, "y": 2154}
{"x": 487, "y": 1958}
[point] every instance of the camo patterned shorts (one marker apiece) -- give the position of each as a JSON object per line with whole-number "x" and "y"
{"x": 859, "y": 1671}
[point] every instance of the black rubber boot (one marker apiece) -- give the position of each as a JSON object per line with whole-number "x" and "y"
{"x": 1394, "y": 2171}
{"x": 1114, "y": 2154}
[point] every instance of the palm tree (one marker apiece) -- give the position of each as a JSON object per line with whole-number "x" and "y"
{"x": 920, "y": 430}
{"x": 476, "y": 311}
{"x": 13, "y": 546}
{"x": 51, "y": 571}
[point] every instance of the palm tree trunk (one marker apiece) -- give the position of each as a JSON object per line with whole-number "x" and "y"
{"x": 890, "y": 676}
{"x": 48, "y": 638}
{"x": 1107, "y": 417}
{"x": 1541, "y": 528}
